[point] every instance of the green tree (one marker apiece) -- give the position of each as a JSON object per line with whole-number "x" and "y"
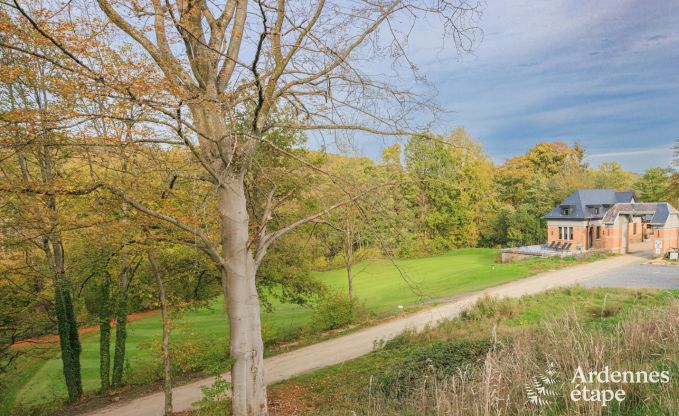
{"x": 654, "y": 185}
{"x": 454, "y": 189}
{"x": 610, "y": 175}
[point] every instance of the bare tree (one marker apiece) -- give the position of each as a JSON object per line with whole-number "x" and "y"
{"x": 167, "y": 370}
{"x": 235, "y": 71}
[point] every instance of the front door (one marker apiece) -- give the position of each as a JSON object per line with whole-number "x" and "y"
{"x": 590, "y": 237}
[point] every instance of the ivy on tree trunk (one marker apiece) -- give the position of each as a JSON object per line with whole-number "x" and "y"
{"x": 105, "y": 334}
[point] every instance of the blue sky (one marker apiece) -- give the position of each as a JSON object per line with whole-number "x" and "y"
{"x": 605, "y": 73}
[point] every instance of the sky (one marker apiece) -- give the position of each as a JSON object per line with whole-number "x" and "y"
{"x": 604, "y": 73}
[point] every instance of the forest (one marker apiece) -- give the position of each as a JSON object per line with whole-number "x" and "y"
{"x": 121, "y": 192}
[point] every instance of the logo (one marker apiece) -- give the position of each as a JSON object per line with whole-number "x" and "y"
{"x": 601, "y": 386}
{"x": 540, "y": 391}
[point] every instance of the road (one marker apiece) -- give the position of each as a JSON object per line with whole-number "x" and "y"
{"x": 652, "y": 276}
{"x": 350, "y": 346}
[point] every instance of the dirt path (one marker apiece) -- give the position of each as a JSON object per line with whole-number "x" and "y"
{"x": 350, "y": 346}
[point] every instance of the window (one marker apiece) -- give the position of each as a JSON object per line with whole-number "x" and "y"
{"x": 565, "y": 211}
{"x": 598, "y": 232}
{"x": 565, "y": 233}
{"x": 595, "y": 210}
{"x": 634, "y": 228}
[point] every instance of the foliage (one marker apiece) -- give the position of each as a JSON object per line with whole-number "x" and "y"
{"x": 215, "y": 398}
{"x": 515, "y": 227}
{"x": 654, "y": 185}
{"x": 189, "y": 354}
{"x": 530, "y": 185}
{"x": 334, "y": 309}
{"x": 542, "y": 161}
{"x": 423, "y": 366}
{"x": 610, "y": 175}
{"x": 454, "y": 195}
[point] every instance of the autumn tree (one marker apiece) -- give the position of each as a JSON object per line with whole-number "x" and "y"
{"x": 455, "y": 193}
{"x": 224, "y": 61}
{"x": 548, "y": 160}
{"x": 610, "y": 175}
{"x": 34, "y": 191}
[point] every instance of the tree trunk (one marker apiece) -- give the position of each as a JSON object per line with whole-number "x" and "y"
{"x": 67, "y": 325}
{"x": 69, "y": 340}
{"x": 237, "y": 264}
{"x": 242, "y": 300}
{"x": 105, "y": 334}
{"x": 167, "y": 370}
{"x": 123, "y": 286}
{"x": 349, "y": 257}
{"x": 121, "y": 324}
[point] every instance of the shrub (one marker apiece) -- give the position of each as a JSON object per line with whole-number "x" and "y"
{"x": 188, "y": 354}
{"x": 433, "y": 362}
{"x": 334, "y": 310}
{"x": 401, "y": 340}
{"x": 491, "y": 308}
{"x": 215, "y": 399}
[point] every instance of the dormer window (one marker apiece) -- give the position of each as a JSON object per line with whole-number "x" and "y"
{"x": 596, "y": 210}
{"x": 565, "y": 211}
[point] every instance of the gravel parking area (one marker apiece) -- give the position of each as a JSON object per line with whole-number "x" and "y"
{"x": 638, "y": 276}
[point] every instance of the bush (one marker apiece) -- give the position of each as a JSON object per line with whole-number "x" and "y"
{"x": 188, "y": 354}
{"x": 401, "y": 340}
{"x": 491, "y": 308}
{"x": 215, "y": 399}
{"x": 433, "y": 362}
{"x": 334, "y": 310}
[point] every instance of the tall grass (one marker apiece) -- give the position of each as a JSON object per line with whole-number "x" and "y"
{"x": 495, "y": 384}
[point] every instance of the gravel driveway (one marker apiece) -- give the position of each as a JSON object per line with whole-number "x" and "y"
{"x": 652, "y": 276}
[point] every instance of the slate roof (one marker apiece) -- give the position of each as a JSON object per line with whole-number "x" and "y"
{"x": 654, "y": 212}
{"x": 662, "y": 212}
{"x": 581, "y": 201}
{"x": 646, "y": 209}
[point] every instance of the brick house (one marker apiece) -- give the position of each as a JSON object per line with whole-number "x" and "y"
{"x": 606, "y": 220}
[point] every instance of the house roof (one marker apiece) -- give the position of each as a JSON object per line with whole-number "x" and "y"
{"x": 662, "y": 213}
{"x": 580, "y": 200}
{"x": 654, "y": 212}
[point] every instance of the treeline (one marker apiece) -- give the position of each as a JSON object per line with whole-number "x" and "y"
{"x": 449, "y": 194}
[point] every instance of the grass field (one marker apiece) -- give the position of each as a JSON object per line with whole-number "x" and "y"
{"x": 200, "y": 335}
{"x": 480, "y": 362}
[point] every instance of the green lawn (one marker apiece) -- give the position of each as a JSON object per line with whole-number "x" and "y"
{"x": 379, "y": 284}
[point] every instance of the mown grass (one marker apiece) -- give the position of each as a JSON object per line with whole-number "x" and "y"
{"x": 434, "y": 373}
{"x": 199, "y": 336}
